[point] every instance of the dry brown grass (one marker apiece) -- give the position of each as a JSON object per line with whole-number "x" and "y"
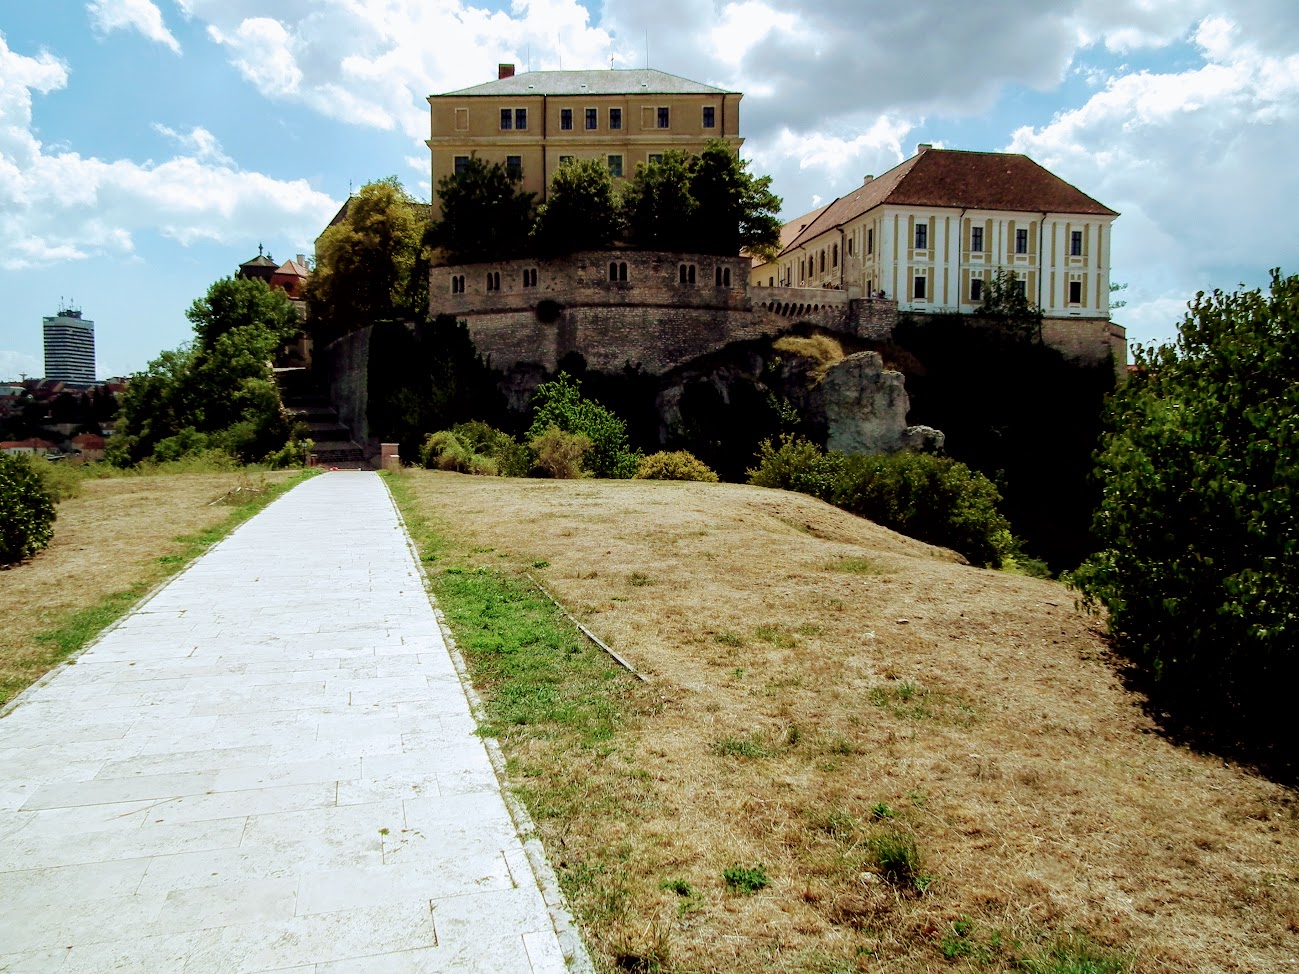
{"x": 113, "y": 537}
{"x": 824, "y": 350}
{"x": 864, "y": 669}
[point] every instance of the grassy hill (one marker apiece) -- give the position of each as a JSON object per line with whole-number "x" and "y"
{"x": 931, "y": 766}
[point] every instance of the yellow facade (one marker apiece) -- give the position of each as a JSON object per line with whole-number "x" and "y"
{"x": 621, "y": 118}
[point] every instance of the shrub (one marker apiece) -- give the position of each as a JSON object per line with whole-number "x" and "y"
{"x": 294, "y": 453}
{"x": 1196, "y": 529}
{"x": 560, "y": 404}
{"x": 560, "y": 454}
{"x": 930, "y": 498}
{"x": 512, "y": 458}
{"x": 26, "y": 510}
{"x": 444, "y": 451}
{"x": 679, "y": 465}
{"x": 62, "y": 480}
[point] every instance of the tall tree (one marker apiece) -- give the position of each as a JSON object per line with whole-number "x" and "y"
{"x": 485, "y": 216}
{"x": 734, "y": 210}
{"x": 580, "y": 212}
{"x": 368, "y": 265}
{"x": 657, "y": 206}
{"x": 1199, "y": 526}
{"x": 217, "y": 392}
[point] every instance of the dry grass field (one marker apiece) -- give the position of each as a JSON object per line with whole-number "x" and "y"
{"x": 821, "y": 690}
{"x": 111, "y": 545}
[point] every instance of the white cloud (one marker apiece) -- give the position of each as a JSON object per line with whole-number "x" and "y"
{"x": 373, "y": 62}
{"x": 57, "y": 205}
{"x": 1196, "y": 160}
{"x": 199, "y": 142}
{"x": 141, "y": 15}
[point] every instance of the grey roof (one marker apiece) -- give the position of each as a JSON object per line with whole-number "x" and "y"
{"x": 640, "y": 81}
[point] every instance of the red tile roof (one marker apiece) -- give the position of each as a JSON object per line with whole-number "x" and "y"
{"x": 959, "y": 179}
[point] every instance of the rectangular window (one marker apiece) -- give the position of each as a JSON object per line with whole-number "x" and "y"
{"x": 514, "y": 165}
{"x": 976, "y": 290}
{"x": 521, "y": 119}
{"x": 920, "y": 283}
{"x": 822, "y": 261}
{"x": 1021, "y": 241}
{"x": 976, "y": 240}
{"x": 870, "y": 240}
{"x": 565, "y": 159}
{"x": 710, "y": 120}
{"x": 1022, "y": 287}
{"x": 462, "y": 163}
{"x": 507, "y": 119}
{"x": 851, "y": 237}
{"x": 615, "y": 118}
{"x": 1075, "y": 292}
{"x": 922, "y": 236}
{"x": 664, "y": 118}
{"x": 615, "y": 167}
{"x": 1075, "y": 243}
{"x": 566, "y": 119}
{"x": 655, "y": 158}
{"x": 592, "y": 119}
{"x": 462, "y": 120}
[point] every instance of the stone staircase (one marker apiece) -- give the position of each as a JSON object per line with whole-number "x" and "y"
{"x": 307, "y": 403}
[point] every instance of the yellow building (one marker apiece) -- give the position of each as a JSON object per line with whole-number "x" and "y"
{"x": 533, "y": 122}
{"x": 933, "y": 230}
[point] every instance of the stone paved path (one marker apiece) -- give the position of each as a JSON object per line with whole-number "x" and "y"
{"x": 270, "y": 766}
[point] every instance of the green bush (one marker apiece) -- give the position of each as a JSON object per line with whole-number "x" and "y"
{"x": 930, "y": 498}
{"x": 1198, "y": 564}
{"x": 678, "y": 465}
{"x": 444, "y": 451}
{"x": 560, "y": 404}
{"x": 294, "y": 453}
{"x": 26, "y": 510}
{"x": 512, "y": 458}
{"x": 560, "y": 454}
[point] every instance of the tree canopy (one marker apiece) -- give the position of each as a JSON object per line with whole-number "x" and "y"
{"x": 580, "y": 212}
{"x": 1199, "y": 527}
{"x": 217, "y": 392}
{"x": 370, "y": 266}
{"x": 485, "y": 216}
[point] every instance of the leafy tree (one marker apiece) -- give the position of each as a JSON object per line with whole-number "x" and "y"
{"x": 235, "y": 302}
{"x": 26, "y": 510}
{"x": 560, "y": 404}
{"x": 657, "y": 206}
{"x": 734, "y": 210}
{"x": 1006, "y": 302}
{"x": 217, "y": 392}
{"x": 1199, "y": 526}
{"x": 370, "y": 266}
{"x": 485, "y": 216}
{"x": 580, "y": 212}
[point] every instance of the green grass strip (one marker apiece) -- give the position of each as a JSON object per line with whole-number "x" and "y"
{"x": 83, "y": 625}
{"x": 537, "y": 675}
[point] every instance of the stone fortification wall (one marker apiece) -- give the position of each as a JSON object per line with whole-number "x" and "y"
{"x": 1089, "y": 340}
{"x": 655, "y": 310}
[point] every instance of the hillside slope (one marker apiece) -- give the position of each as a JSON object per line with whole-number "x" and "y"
{"x": 817, "y": 682}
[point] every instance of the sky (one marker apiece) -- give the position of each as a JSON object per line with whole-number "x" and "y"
{"x": 148, "y": 147}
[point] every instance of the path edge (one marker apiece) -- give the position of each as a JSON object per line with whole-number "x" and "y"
{"x": 576, "y": 957}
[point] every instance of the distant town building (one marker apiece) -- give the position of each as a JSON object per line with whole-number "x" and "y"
{"x": 70, "y": 347}
{"x": 533, "y": 122}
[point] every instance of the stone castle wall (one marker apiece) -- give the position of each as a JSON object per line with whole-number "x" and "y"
{"x": 661, "y": 310}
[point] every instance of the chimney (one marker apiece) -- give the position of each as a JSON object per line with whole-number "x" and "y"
{"x": 302, "y": 259}
{"x": 504, "y": 71}
{"x": 924, "y": 147}
{"x": 868, "y": 178}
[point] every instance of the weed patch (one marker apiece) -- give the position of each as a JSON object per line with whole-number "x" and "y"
{"x": 745, "y": 879}
{"x": 899, "y": 861}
